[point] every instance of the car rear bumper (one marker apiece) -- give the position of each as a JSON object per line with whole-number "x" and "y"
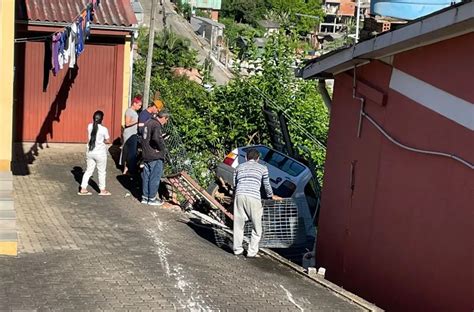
{"x": 225, "y": 172}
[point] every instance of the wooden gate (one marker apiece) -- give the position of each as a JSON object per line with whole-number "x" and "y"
{"x": 58, "y": 108}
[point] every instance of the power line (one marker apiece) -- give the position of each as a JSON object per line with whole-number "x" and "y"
{"x": 290, "y": 119}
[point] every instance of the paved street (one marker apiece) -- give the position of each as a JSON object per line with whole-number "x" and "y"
{"x": 180, "y": 26}
{"x": 112, "y": 253}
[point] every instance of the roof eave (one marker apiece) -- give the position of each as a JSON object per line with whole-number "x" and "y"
{"x": 128, "y": 28}
{"x": 448, "y": 24}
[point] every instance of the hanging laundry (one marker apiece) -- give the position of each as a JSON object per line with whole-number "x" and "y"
{"x": 55, "y": 49}
{"x": 88, "y": 22}
{"x": 62, "y": 42}
{"x": 80, "y": 37}
{"x": 67, "y": 51}
{"x": 72, "y": 45}
{"x": 84, "y": 22}
{"x": 67, "y": 45}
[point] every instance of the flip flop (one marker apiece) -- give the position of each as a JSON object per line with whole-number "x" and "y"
{"x": 84, "y": 193}
{"x": 105, "y": 193}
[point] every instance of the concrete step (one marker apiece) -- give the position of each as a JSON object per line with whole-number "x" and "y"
{"x": 8, "y": 224}
{"x": 7, "y": 215}
{"x": 8, "y": 236}
{"x": 8, "y": 233}
{"x": 6, "y": 185}
{"x": 8, "y": 242}
{"x": 6, "y": 176}
{"x": 6, "y": 194}
{"x": 6, "y": 205}
{"x": 6, "y": 181}
{"x": 7, "y": 220}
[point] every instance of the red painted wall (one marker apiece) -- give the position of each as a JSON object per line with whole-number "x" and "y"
{"x": 62, "y": 111}
{"x": 402, "y": 237}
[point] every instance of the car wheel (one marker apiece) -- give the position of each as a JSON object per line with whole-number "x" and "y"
{"x": 212, "y": 189}
{"x": 220, "y": 194}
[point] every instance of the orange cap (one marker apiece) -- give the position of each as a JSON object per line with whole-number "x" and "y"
{"x": 159, "y": 104}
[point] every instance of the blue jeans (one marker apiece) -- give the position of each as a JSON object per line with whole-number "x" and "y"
{"x": 151, "y": 176}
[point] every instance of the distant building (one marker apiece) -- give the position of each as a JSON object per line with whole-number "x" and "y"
{"x": 138, "y": 10}
{"x": 211, "y": 30}
{"x": 337, "y": 12}
{"x": 211, "y": 6}
{"x": 269, "y": 26}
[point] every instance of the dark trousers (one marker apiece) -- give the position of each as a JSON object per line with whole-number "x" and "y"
{"x": 131, "y": 149}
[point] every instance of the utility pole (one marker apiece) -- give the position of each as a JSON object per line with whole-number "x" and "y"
{"x": 357, "y": 22}
{"x": 149, "y": 57}
{"x": 163, "y": 10}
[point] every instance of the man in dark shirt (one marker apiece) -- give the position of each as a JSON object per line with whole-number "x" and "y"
{"x": 145, "y": 115}
{"x": 153, "y": 153}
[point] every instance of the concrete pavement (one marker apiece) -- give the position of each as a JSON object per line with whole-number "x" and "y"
{"x": 97, "y": 253}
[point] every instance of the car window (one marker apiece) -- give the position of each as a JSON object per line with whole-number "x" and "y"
{"x": 278, "y": 160}
{"x": 284, "y": 163}
{"x": 261, "y": 149}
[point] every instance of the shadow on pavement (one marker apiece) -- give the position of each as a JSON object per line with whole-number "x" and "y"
{"x": 78, "y": 172}
{"x": 46, "y": 131}
{"x": 115, "y": 151}
{"x": 213, "y": 235}
{"x": 132, "y": 183}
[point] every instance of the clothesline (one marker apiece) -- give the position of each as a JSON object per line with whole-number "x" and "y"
{"x": 38, "y": 38}
{"x": 68, "y": 44}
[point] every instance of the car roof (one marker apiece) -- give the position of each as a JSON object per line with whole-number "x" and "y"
{"x": 261, "y": 145}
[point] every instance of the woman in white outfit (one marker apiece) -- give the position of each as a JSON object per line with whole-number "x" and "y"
{"x": 96, "y": 154}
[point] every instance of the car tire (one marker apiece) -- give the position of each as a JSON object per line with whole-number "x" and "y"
{"x": 213, "y": 188}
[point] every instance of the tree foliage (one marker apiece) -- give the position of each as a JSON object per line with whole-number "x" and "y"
{"x": 250, "y": 12}
{"x": 303, "y": 24}
{"x": 244, "y": 11}
{"x": 211, "y": 124}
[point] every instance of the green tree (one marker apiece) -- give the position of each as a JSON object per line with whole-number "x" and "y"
{"x": 210, "y": 124}
{"x": 303, "y": 24}
{"x": 244, "y": 11}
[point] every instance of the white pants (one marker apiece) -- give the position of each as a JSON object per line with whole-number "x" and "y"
{"x": 246, "y": 208}
{"x": 93, "y": 160}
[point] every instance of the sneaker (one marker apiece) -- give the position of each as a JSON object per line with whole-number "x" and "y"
{"x": 144, "y": 200}
{"x": 155, "y": 202}
{"x": 253, "y": 255}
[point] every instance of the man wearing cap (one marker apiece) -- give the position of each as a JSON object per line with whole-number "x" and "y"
{"x": 153, "y": 153}
{"x": 148, "y": 113}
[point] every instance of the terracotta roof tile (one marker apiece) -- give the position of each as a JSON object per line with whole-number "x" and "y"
{"x": 109, "y": 12}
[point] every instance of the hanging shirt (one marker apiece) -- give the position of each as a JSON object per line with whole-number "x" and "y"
{"x": 62, "y": 40}
{"x": 67, "y": 51}
{"x": 55, "y": 54}
{"x": 72, "y": 45}
{"x": 80, "y": 37}
{"x": 88, "y": 22}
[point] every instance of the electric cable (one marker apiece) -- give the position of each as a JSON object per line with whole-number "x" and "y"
{"x": 391, "y": 139}
{"x": 290, "y": 119}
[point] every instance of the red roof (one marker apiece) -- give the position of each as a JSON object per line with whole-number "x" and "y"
{"x": 109, "y": 12}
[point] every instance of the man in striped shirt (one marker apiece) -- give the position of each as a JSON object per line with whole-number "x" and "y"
{"x": 248, "y": 179}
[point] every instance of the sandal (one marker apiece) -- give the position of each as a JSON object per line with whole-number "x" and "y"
{"x": 105, "y": 193}
{"x": 86, "y": 193}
